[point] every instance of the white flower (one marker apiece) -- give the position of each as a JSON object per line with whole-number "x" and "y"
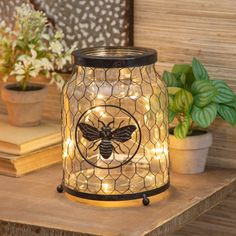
{"x": 46, "y": 64}
{"x": 33, "y": 53}
{"x": 19, "y": 72}
{"x": 60, "y": 63}
{"x": 56, "y": 47}
{"x": 45, "y": 36}
{"x": 59, "y": 35}
{"x": 27, "y": 66}
{"x": 29, "y": 50}
{"x": 58, "y": 79}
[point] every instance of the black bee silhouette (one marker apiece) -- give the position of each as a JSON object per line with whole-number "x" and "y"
{"x": 106, "y": 136}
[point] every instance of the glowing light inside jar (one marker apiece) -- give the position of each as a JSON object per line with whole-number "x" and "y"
{"x": 106, "y": 187}
{"x": 160, "y": 152}
{"x": 68, "y": 148}
{"x": 134, "y": 95}
{"x": 100, "y": 96}
{"x": 115, "y": 128}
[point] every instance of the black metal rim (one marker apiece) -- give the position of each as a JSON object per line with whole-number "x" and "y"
{"x": 129, "y": 57}
{"x": 117, "y": 197}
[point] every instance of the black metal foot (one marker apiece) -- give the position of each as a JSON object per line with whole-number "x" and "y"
{"x": 146, "y": 200}
{"x": 60, "y": 188}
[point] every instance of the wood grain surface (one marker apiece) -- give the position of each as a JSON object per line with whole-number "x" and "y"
{"x": 219, "y": 221}
{"x": 31, "y": 206}
{"x": 205, "y": 29}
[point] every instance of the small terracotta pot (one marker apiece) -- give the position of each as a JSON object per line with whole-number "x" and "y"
{"x": 189, "y": 155}
{"x": 24, "y": 107}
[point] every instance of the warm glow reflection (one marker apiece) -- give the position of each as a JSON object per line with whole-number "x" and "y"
{"x": 100, "y": 96}
{"x": 133, "y": 95}
{"x": 147, "y": 103}
{"x": 68, "y": 148}
{"x": 159, "y": 153}
{"x": 99, "y": 110}
{"x": 106, "y": 187}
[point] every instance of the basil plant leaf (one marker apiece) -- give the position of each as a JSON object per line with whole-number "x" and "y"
{"x": 181, "y": 130}
{"x": 224, "y": 92}
{"x": 227, "y": 113}
{"x": 203, "y": 92}
{"x": 199, "y": 70}
{"x": 171, "y": 80}
{"x": 183, "y": 101}
{"x": 204, "y": 116}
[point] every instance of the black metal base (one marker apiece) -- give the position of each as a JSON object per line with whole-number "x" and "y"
{"x": 118, "y": 197}
{"x": 146, "y": 200}
{"x": 60, "y": 188}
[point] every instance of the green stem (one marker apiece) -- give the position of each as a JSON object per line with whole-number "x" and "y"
{"x": 24, "y": 83}
{"x": 191, "y": 126}
{"x": 190, "y": 130}
{"x": 24, "y": 86}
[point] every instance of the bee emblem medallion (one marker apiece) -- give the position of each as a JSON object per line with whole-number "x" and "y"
{"x": 107, "y": 136}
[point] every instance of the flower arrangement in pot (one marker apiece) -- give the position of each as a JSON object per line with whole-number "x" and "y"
{"x": 26, "y": 52}
{"x": 195, "y": 101}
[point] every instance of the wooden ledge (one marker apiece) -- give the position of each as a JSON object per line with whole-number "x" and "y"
{"x": 31, "y": 206}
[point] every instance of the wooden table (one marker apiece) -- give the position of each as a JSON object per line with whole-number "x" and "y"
{"x": 30, "y": 206}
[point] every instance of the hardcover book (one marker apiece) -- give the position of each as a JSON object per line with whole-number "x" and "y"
{"x": 21, "y": 140}
{"x": 13, "y": 165}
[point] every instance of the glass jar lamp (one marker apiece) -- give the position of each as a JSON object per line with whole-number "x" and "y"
{"x": 115, "y": 126}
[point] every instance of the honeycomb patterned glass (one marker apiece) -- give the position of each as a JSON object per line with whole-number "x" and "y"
{"x": 115, "y": 125}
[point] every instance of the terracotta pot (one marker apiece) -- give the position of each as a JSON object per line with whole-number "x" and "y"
{"x": 24, "y": 107}
{"x": 189, "y": 155}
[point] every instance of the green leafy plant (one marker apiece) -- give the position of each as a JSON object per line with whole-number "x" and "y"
{"x": 28, "y": 50}
{"x": 195, "y": 100}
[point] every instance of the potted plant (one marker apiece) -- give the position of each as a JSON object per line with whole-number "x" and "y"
{"x": 28, "y": 51}
{"x": 195, "y": 102}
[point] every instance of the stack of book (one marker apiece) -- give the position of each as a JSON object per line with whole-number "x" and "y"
{"x": 25, "y": 149}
